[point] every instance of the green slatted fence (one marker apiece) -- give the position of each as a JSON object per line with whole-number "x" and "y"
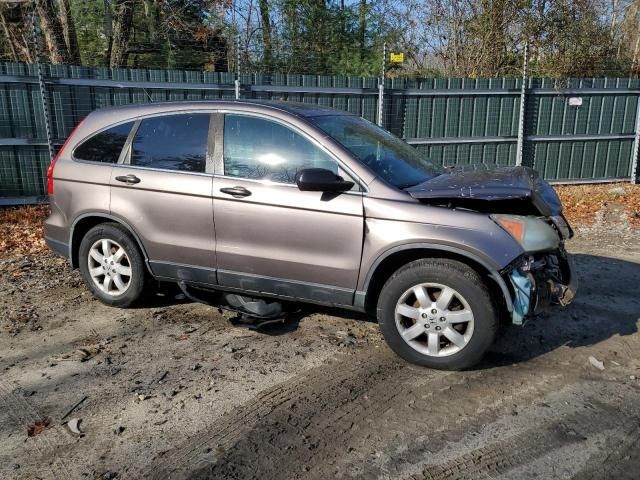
{"x": 577, "y": 130}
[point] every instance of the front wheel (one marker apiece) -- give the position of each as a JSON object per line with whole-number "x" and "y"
{"x": 112, "y": 265}
{"x": 437, "y": 313}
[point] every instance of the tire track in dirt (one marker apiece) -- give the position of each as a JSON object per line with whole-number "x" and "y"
{"x": 338, "y": 379}
{"x": 401, "y": 409}
{"x": 622, "y": 463}
{"x": 302, "y": 435}
{"x": 501, "y": 457}
{"x": 46, "y": 442}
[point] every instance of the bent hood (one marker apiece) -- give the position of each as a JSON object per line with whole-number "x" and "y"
{"x": 517, "y": 190}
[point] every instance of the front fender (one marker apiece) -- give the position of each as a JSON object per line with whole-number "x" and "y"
{"x": 392, "y": 226}
{"x": 473, "y": 259}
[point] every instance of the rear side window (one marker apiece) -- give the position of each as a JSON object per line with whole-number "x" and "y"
{"x": 172, "y": 142}
{"x": 105, "y": 146}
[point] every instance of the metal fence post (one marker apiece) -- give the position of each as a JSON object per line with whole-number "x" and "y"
{"x": 636, "y": 146}
{"x": 237, "y": 81}
{"x": 41, "y": 84}
{"x": 523, "y": 98}
{"x": 381, "y": 85}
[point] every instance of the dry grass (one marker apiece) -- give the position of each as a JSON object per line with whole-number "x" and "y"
{"x": 21, "y": 228}
{"x": 582, "y": 202}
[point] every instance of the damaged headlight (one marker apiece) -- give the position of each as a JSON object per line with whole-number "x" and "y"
{"x": 532, "y": 233}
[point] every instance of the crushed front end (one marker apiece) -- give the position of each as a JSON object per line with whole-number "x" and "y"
{"x": 545, "y": 273}
{"x": 528, "y": 209}
{"x": 540, "y": 280}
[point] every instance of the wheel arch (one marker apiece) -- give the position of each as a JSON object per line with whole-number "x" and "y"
{"x": 396, "y": 257}
{"x": 86, "y": 222}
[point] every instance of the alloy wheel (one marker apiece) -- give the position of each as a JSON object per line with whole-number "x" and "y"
{"x": 434, "y": 319}
{"x": 109, "y": 267}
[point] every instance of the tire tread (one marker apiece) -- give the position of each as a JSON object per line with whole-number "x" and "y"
{"x": 453, "y": 269}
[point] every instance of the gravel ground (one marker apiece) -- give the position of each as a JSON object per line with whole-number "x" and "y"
{"x": 173, "y": 389}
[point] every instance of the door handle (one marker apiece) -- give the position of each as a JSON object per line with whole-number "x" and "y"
{"x": 128, "y": 179}
{"x": 236, "y": 191}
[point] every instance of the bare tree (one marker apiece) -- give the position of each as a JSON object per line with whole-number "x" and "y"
{"x": 108, "y": 28}
{"x": 265, "y": 18}
{"x": 362, "y": 20}
{"x": 121, "y": 29}
{"x": 69, "y": 31}
{"x": 10, "y": 38}
{"x": 53, "y": 31}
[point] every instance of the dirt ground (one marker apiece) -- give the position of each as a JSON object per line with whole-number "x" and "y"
{"x": 174, "y": 390}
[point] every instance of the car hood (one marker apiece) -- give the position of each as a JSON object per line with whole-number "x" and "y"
{"x": 517, "y": 190}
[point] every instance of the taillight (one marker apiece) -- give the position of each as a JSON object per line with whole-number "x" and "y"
{"x": 55, "y": 159}
{"x": 50, "y": 175}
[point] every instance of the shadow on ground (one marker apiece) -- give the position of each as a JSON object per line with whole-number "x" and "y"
{"x": 607, "y": 304}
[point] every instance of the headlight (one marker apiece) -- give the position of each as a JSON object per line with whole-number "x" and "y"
{"x": 530, "y": 232}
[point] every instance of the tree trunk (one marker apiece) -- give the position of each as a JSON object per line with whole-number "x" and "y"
{"x": 121, "y": 30}
{"x": 634, "y": 62}
{"x": 363, "y": 28}
{"x": 7, "y": 34}
{"x": 614, "y": 17}
{"x": 69, "y": 30}
{"x": 53, "y": 32}
{"x": 150, "y": 13}
{"x": 108, "y": 29}
{"x": 265, "y": 17}
{"x": 497, "y": 38}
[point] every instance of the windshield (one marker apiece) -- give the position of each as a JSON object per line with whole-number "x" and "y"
{"x": 392, "y": 159}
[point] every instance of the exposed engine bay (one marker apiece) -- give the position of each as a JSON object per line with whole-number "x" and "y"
{"x": 539, "y": 280}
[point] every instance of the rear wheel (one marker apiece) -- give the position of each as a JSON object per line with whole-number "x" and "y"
{"x": 437, "y": 313}
{"x": 112, "y": 265}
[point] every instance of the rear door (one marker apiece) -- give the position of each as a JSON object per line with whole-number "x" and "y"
{"x": 272, "y": 237}
{"x": 162, "y": 188}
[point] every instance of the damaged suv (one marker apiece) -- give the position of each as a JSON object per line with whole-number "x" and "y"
{"x": 255, "y": 205}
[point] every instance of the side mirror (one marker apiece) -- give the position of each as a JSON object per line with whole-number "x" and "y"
{"x": 321, "y": 180}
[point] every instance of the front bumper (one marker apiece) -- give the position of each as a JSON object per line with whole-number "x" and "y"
{"x": 539, "y": 281}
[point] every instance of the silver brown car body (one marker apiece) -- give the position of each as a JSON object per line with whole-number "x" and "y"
{"x": 271, "y": 203}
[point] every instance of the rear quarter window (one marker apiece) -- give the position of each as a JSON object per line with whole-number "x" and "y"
{"x": 104, "y": 147}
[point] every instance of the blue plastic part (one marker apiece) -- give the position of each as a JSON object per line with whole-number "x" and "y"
{"x": 522, "y": 301}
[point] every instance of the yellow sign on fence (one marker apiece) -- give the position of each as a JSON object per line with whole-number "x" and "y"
{"x": 396, "y": 57}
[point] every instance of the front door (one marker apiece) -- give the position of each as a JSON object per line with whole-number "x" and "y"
{"x": 270, "y": 236}
{"x": 162, "y": 189}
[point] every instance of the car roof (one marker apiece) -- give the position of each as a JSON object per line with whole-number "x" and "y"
{"x": 299, "y": 109}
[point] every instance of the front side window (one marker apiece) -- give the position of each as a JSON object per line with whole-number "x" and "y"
{"x": 395, "y": 161}
{"x": 104, "y": 147}
{"x": 172, "y": 142}
{"x": 260, "y": 149}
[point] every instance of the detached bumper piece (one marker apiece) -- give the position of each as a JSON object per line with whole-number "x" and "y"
{"x": 253, "y": 313}
{"x": 539, "y": 281}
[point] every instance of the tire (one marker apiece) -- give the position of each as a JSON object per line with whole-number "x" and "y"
{"x": 451, "y": 338}
{"x": 123, "y": 268}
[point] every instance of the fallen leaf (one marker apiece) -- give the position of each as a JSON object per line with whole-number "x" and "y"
{"x": 38, "y": 427}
